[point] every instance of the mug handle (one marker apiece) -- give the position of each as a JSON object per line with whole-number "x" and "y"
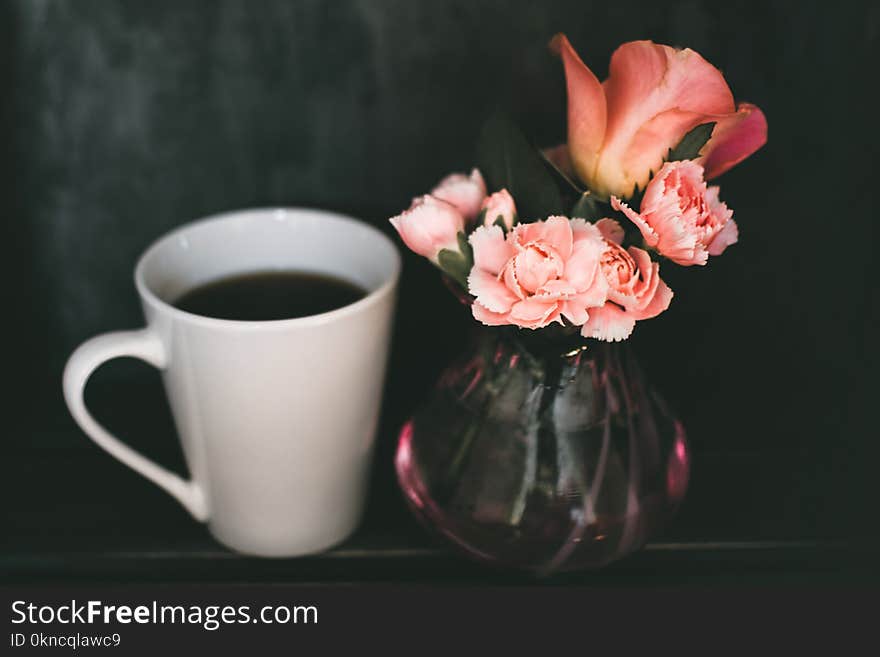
{"x": 146, "y": 345}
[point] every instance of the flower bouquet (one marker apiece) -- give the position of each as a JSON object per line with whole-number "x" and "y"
{"x": 544, "y": 448}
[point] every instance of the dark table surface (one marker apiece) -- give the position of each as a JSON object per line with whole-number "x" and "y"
{"x": 75, "y": 515}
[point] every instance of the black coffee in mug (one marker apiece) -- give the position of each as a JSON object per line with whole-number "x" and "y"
{"x": 269, "y": 295}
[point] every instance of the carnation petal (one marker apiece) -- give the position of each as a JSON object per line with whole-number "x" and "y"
{"x": 464, "y": 192}
{"x": 659, "y": 303}
{"x": 583, "y": 267}
{"x": 556, "y": 289}
{"x": 729, "y": 234}
{"x": 575, "y": 312}
{"x": 556, "y": 231}
{"x": 511, "y": 281}
{"x": 534, "y": 313}
{"x": 608, "y": 323}
{"x": 491, "y": 249}
{"x": 643, "y": 261}
{"x": 576, "y": 308}
{"x": 499, "y": 205}
{"x": 581, "y": 230}
{"x": 429, "y": 226}
{"x": 611, "y": 230}
{"x": 487, "y": 317}
{"x": 489, "y": 291}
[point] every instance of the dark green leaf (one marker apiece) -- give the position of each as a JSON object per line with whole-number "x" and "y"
{"x": 508, "y": 161}
{"x": 455, "y": 266}
{"x": 690, "y": 145}
{"x": 561, "y": 177}
{"x": 587, "y": 207}
{"x": 466, "y": 249}
{"x": 499, "y": 221}
{"x": 635, "y": 201}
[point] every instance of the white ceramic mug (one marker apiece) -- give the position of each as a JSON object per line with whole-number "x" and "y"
{"x": 277, "y": 418}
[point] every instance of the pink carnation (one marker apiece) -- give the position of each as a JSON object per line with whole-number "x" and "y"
{"x": 682, "y": 218}
{"x": 429, "y": 226}
{"x": 635, "y": 290}
{"x": 464, "y": 192}
{"x": 499, "y": 205}
{"x": 539, "y": 273}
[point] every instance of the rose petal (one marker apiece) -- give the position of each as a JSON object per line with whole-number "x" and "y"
{"x": 587, "y": 112}
{"x": 646, "y": 80}
{"x": 734, "y": 138}
{"x": 651, "y": 143}
{"x": 560, "y": 157}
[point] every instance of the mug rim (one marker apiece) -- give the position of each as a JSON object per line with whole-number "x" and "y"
{"x": 369, "y": 299}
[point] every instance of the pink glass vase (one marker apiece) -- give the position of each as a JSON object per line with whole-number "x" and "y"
{"x": 541, "y": 455}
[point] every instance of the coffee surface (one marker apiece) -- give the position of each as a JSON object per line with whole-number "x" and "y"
{"x": 269, "y": 295}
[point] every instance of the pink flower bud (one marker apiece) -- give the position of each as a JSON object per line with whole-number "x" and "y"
{"x": 499, "y": 205}
{"x": 429, "y": 226}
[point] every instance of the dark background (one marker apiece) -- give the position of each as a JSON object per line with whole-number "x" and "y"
{"x": 119, "y": 121}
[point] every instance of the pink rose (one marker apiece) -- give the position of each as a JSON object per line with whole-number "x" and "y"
{"x": 429, "y": 226}
{"x": 464, "y": 192}
{"x": 538, "y": 274}
{"x": 621, "y": 129}
{"x": 499, "y": 205}
{"x": 635, "y": 290}
{"x": 681, "y": 217}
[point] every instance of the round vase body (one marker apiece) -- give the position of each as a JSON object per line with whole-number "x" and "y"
{"x": 539, "y": 456}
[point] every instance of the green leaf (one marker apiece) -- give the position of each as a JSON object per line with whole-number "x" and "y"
{"x": 455, "y": 266}
{"x": 508, "y": 161}
{"x": 466, "y": 249}
{"x": 690, "y": 145}
{"x": 587, "y": 207}
{"x": 560, "y": 175}
{"x": 635, "y": 201}
{"x": 499, "y": 221}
